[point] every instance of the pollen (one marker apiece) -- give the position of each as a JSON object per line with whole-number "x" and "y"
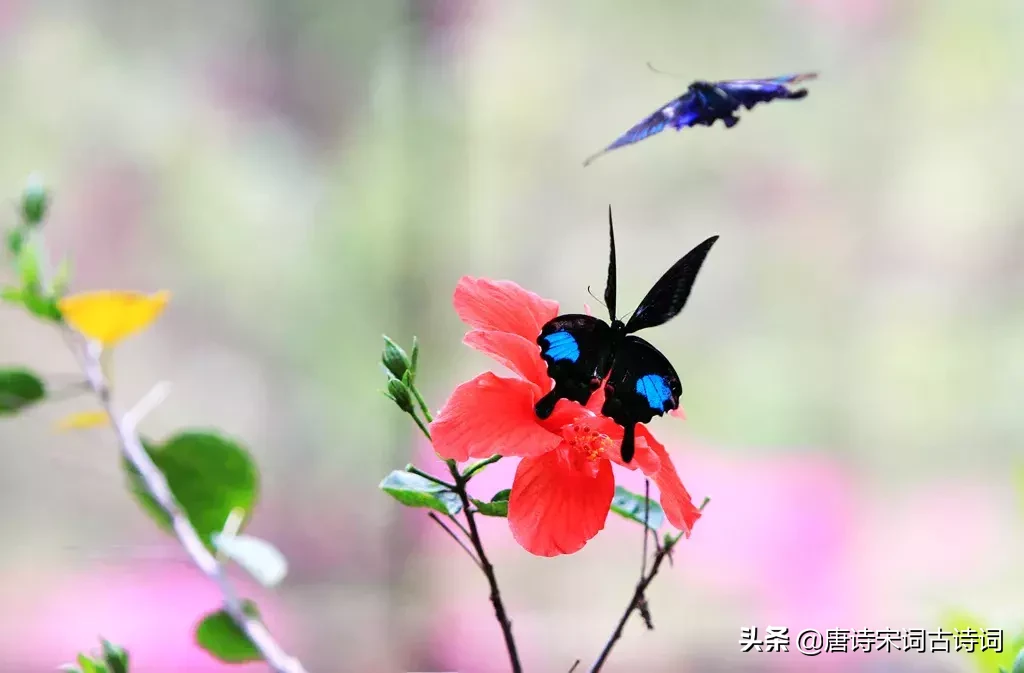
{"x": 586, "y": 441}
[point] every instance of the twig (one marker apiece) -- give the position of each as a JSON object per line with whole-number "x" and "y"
{"x": 645, "y": 611}
{"x": 488, "y": 569}
{"x": 634, "y": 604}
{"x": 88, "y": 356}
{"x": 455, "y": 537}
{"x": 476, "y": 467}
{"x": 474, "y": 537}
{"x": 637, "y": 601}
{"x": 420, "y": 423}
{"x": 429, "y": 477}
{"x": 459, "y": 524}
{"x": 261, "y": 638}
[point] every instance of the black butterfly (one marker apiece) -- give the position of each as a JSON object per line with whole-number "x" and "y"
{"x": 704, "y": 103}
{"x": 581, "y": 350}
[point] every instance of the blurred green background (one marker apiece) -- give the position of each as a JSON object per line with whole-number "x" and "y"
{"x": 306, "y": 176}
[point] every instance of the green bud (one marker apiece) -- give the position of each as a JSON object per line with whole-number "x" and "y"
{"x": 15, "y": 241}
{"x": 401, "y": 395}
{"x": 415, "y": 356}
{"x": 34, "y": 201}
{"x": 395, "y": 359}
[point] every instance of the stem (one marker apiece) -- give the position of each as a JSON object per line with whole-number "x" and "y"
{"x": 488, "y": 569}
{"x": 476, "y": 467}
{"x": 421, "y": 424}
{"x": 423, "y": 404}
{"x": 426, "y": 475}
{"x": 473, "y": 533}
{"x": 455, "y": 537}
{"x": 88, "y": 356}
{"x": 634, "y": 604}
{"x": 638, "y": 600}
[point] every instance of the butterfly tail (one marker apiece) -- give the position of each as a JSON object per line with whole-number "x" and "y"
{"x": 628, "y": 442}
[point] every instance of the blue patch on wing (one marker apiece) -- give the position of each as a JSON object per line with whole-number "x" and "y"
{"x": 655, "y": 390}
{"x": 562, "y": 346}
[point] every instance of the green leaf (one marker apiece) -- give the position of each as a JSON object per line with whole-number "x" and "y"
{"x": 115, "y": 656}
{"x": 11, "y": 295}
{"x": 631, "y": 506}
{"x": 413, "y": 490}
{"x": 988, "y": 659}
{"x": 29, "y": 267}
{"x": 218, "y": 634}
{"x": 90, "y": 665}
{"x": 40, "y": 305}
{"x": 209, "y": 476}
{"x": 258, "y": 557}
{"x": 19, "y": 388}
{"x": 498, "y": 506}
{"x": 62, "y": 277}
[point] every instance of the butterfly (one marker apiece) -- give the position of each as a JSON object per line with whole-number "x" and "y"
{"x": 704, "y": 103}
{"x": 581, "y": 350}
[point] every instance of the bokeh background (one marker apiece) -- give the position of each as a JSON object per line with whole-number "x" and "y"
{"x": 306, "y": 176}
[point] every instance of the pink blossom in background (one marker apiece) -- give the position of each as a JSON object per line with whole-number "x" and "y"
{"x": 149, "y": 609}
{"x": 846, "y": 12}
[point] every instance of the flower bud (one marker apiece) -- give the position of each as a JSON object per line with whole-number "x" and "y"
{"x": 395, "y": 359}
{"x": 34, "y": 201}
{"x": 398, "y": 392}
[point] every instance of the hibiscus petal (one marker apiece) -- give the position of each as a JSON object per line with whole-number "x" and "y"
{"x": 675, "y": 500}
{"x": 513, "y": 351}
{"x": 555, "y": 509}
{"x": 487, "y": 415}
{"x": 502, "y": 306}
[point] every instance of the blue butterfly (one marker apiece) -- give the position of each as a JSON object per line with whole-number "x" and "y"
{"x": 581, "y": 350}
{"x": 704, "y": 103}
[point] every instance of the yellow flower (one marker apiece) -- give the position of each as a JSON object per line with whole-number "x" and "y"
{"x": 108, "y": 316}
{"x": 83, "y": 420}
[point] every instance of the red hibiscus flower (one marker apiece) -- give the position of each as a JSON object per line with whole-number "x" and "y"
{"x": 563, "y": 487}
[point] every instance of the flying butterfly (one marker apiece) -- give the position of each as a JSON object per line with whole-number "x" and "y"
{"x": 581, "y": 350}
{"x": 704, "y": 103}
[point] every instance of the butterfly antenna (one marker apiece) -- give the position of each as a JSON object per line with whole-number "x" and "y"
{"x": 651, "y": 67}
{"x": 610, "y": 288}
{"x": 595, "y": 297}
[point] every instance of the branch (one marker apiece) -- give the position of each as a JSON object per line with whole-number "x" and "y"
{"x": 455, "y": 537}
{"x": 485, "y": 565}
{"x": 459, "y": 487}
{"x": 639, "y": 600}
{"x": 131, "y": 446}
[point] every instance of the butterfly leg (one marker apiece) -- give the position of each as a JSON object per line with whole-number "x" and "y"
{"x": 628, "y": 442}
{"x": 730, "y": 121}
{"x": 546, "y": 404}
{"x": 577, "y": 393}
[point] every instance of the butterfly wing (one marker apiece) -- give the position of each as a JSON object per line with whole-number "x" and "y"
{"x": 642, "y": 385}
{"x": 576, "y": 349}
{"x": 668, "y": 296}
{"x": 750, "y": 92}
{"x": 684, "y": 111}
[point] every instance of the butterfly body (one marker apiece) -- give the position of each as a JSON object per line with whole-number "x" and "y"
{"x": 704, "y": 103}
{"x": 582, "y": 351}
